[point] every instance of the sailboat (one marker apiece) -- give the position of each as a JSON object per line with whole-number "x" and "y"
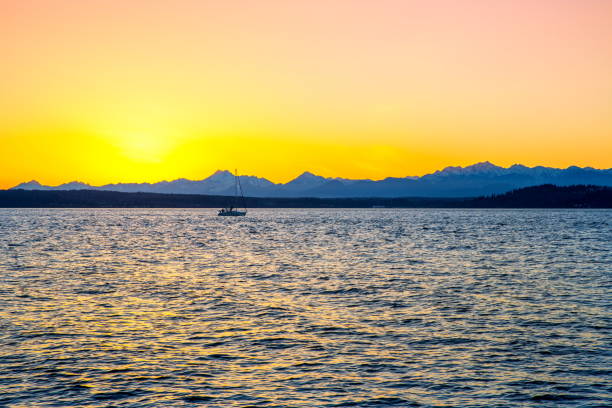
{"x": 232, "y": 210}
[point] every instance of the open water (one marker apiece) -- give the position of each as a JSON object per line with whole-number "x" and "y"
{"x": 305, "y": 308}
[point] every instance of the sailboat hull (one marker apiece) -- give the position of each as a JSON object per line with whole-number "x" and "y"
{"x": 232, "y": 213}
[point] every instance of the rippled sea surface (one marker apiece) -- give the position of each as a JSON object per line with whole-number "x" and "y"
{"x": 305, "y": 308}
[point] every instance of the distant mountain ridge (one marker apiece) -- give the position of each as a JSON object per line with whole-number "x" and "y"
{"x": 478, "y": 179}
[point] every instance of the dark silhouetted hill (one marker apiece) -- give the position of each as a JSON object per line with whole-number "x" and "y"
{"x": 550, "y": 196}
{"x": 544, "y": 196}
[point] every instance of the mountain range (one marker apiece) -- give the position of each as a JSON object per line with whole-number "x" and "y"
{"x": 476, "y": 180}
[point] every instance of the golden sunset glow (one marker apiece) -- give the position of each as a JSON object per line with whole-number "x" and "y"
{"x": 135, "y": 90}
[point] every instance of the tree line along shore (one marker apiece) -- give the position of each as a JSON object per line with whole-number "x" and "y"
{"x": 543, "y": 196}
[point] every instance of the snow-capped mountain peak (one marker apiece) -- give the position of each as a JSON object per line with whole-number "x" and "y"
{"x": 305, "y": 181}
{"x": 482, "y": 168}
{"x": 30, "y": 185}
{"x": 220, "y": 175}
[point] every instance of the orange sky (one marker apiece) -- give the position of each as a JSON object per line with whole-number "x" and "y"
{"x": 144, "y": 90}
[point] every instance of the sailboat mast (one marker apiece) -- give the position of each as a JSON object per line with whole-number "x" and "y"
{"x": 242, "y": 195}
{"x": 236, "y": 188}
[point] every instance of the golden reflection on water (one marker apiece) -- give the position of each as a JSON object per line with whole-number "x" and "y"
{"x": 305, "y": 308}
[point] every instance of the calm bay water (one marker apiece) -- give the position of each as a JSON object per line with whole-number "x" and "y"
{"x": 305, "y": 308}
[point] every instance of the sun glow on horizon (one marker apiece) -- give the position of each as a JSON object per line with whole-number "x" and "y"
{"x": 145, "y": 147}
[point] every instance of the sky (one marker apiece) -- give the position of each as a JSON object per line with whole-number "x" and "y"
{"x": 146, "y": 90}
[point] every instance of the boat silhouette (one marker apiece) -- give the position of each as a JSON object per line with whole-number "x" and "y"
{"x": 232, "y": 210}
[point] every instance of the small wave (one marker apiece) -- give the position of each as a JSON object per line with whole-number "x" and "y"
{"x": 221, "y": 356}
{"x": 555, "y": 397}
{"x": 116, "y": 395}
{"x": 379, "y": 402}
{"x": 343, "y": 291}
{"x": 198, "y": 398}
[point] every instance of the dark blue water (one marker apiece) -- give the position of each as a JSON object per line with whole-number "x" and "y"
{"x": 305, "y": 308}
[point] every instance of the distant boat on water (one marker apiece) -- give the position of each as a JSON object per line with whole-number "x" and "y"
{"x": 233, "y": 210}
